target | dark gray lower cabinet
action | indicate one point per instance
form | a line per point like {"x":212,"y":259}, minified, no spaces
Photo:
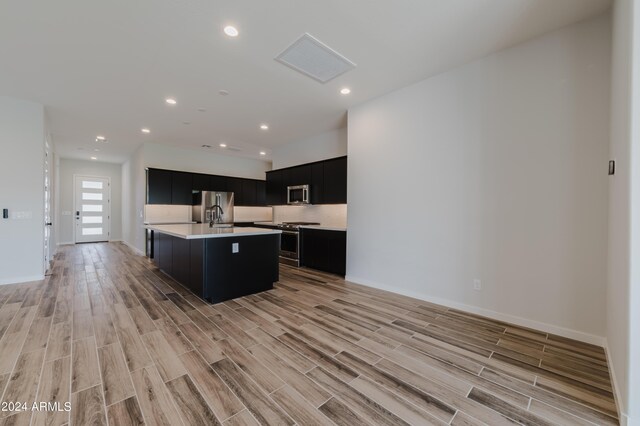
{"x":209,"y":268}
{"x":324,"y":250}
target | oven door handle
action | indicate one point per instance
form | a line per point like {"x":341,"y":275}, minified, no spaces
{"x":290,"y":232}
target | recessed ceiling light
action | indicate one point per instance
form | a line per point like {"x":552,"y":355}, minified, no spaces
{"x":223,"y":92}
{"x":202,"y":110}
{"x":223,"y":145}
{"x":94,"y":158}
{"x":264,"y":126}
{"x":345,"y":90}
{"x":263,"y":153}
{"x":96,"y":150}
{"x":145,"y":130}
{"x":231,"y":31}
{"x":170,"y":101}
{"x":100,"y":139}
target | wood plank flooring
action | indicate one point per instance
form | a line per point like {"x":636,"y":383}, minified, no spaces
{"x":127,"y":345}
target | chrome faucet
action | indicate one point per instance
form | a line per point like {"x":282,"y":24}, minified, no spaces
{"x":216,"y":214}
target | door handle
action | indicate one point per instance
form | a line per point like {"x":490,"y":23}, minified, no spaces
{"x":48,"y":223}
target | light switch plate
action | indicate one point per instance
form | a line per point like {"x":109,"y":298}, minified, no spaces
{"x":235,"y":247}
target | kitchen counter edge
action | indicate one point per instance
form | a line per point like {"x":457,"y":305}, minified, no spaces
{"x":200,"y":231}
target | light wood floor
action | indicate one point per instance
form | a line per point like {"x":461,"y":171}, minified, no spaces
{"x":126,"y":345}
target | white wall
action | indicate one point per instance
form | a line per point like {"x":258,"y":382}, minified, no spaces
{"x":497,"y":171}
{"x":69,"y":168}
{"x":133,"y":199}
{"x":633,"y":411}
{"x":326,"y":145}
{"x":21,"y":190}
{"x":200,"y":161}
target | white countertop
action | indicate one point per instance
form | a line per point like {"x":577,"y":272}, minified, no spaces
{"x":170,"y":223}
{"x":202,"y":230}
{"x":325,"y":228}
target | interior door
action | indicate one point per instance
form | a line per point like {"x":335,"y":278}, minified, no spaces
{"x":92,"y":208}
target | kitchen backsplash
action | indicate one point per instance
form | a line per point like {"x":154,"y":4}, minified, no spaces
{"x":252,"y":214}
{"x":328,"y":214}
{"x":158,"y":213}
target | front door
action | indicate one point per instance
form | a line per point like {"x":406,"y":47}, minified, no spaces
{"x":92,"y":208}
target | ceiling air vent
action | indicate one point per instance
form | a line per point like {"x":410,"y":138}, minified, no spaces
{"x":310,"y":56}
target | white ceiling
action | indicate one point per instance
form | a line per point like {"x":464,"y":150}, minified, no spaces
{"x":105,"y":67}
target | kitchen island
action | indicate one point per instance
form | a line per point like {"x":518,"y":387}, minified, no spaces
{"x":219,"y":263}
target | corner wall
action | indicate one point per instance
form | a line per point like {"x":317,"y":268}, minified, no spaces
{"x":493,"y":171}
{"x":326,"y":145}
{"x":623,"y":289}
{"x":21,"y":190}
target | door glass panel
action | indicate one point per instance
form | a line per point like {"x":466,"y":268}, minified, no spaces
{"x":91,"y":231}
{"x":91,"y":184}
{"x":92,"y":219}
{"x":91,"y":208}
{"x":92,"y":196}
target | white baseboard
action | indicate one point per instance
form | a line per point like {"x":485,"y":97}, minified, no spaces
{"x":18,"y":280}
{"x":624,"y":419}
{"x":66,"y":243}
{"x":524,"y":322}
{"x":132,"y":247}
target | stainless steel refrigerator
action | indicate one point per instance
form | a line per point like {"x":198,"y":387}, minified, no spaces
{"x":208,"y":204}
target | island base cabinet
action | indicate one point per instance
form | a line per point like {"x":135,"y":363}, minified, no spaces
{"x":252,"y":269}
{"x":216,"y":270}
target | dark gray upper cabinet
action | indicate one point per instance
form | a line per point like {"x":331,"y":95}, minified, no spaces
{"x":201,"y":182}
{"x":174,"y":187}
{"x":218,"y":183}
{"x":235,"y":185}
{"x":181,"y":188}
{"x":300,"y":175}
{"x":249,"y":189}
{"x":159,"y":186}
{"x":274,"y":188}
{"x":328,"y":180}
{"x":261,"y":193}
{"x":335,"y":181}
{"x":317,"y":183}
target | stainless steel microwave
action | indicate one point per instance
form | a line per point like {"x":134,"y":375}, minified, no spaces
{"x":299,"y":194}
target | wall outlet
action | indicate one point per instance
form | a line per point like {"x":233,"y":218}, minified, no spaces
{"x":235,"y":247}
{"x":477,"y":284}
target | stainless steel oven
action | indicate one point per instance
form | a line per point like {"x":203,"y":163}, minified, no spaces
{"x":290,"y":247}
{"x":290,"y":242}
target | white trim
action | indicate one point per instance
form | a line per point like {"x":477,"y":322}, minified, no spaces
{"x":18,"y":280}
{"x":66,"y":243}
{"x":623,"y":417}
{"x":524,"y":322}
{"x":135,"y":249}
